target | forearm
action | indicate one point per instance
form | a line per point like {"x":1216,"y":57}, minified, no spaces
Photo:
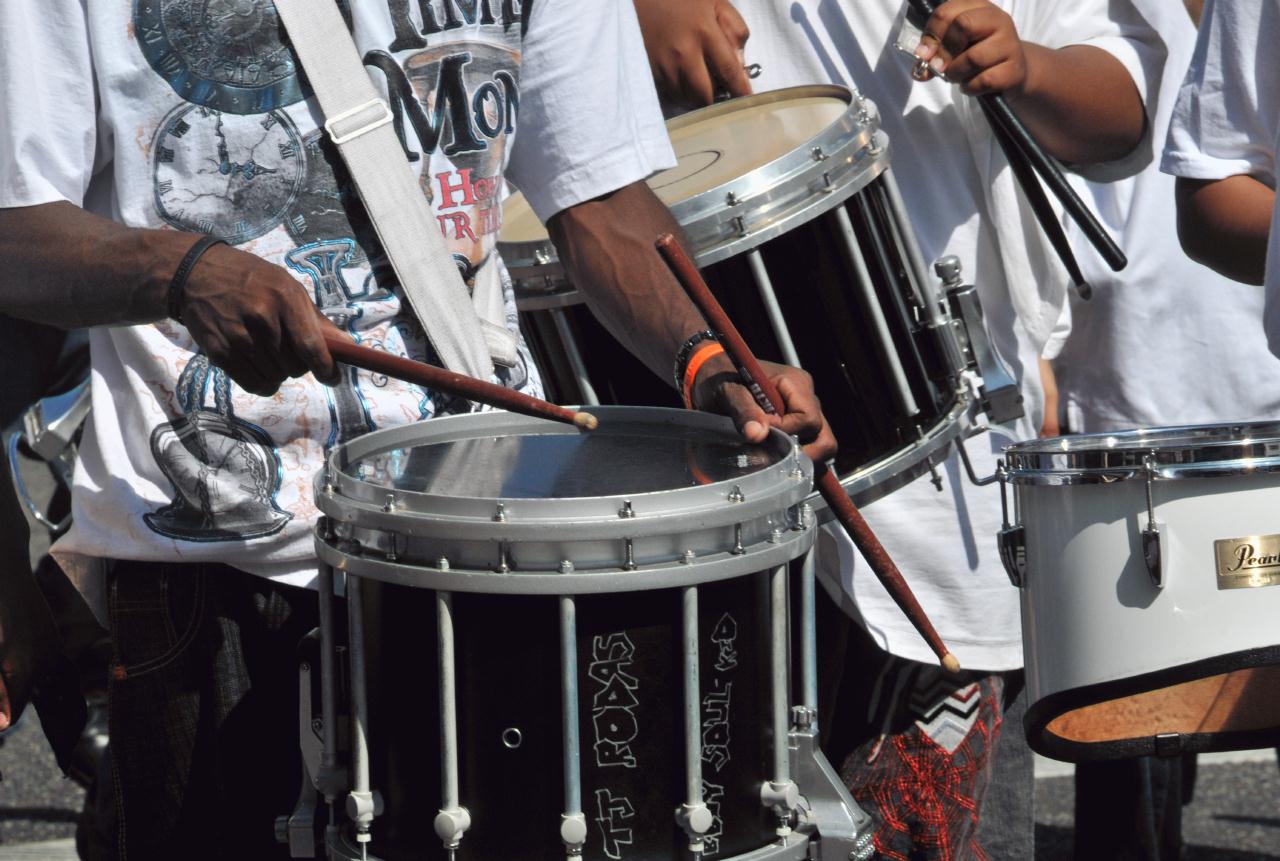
{"x":607,"y":247}
{"x":69,"y":268}
{"x":1226,"y":224}
{"x":1080,"y":104}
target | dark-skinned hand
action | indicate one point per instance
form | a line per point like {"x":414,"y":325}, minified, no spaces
{"x":255,"y":321}
{"x":719,"y":389}
{"x":974,"y":44}
{"x":695,"y":48}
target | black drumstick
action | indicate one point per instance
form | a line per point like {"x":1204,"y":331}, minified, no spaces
{"x":1001,"y":116}
{"x":1039,"y":201}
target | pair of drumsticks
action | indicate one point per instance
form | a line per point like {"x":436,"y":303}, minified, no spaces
{"x":687,"y":274}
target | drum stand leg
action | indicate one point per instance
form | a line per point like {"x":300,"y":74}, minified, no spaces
{"x":693,"y":816}
{"x":573,"y":824}
{"x":453,"y":819}
{"x":574,"y":355}
{"x":363,"y":804}
{"x":828,"y":813}
{"x":780,"y":794}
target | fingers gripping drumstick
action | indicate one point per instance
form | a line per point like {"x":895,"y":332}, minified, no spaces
{"x":440,"y":379}
{"x":841,"y":505}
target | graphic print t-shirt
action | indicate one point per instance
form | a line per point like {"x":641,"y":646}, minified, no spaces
{"x":192,"y":115}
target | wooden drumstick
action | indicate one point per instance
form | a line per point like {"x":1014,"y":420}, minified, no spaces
{"x":344,"y":350}
{"x":841,"y":505}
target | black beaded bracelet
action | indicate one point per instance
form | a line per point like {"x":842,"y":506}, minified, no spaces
{"x":173,"y":301}
{"x":686,"y":350}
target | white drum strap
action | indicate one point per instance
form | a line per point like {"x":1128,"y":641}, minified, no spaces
{"x":469,"y":334}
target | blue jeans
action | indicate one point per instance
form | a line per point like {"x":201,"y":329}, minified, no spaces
{"x":203,"y":714}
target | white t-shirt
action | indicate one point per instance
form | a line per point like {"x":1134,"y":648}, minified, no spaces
{"x":192,"y":116}
{"x":943,"y":542}
{"x":1227,"y":118}
{"x":1166,"y":341}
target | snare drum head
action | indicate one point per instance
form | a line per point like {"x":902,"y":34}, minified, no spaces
{"x":623,"y":459}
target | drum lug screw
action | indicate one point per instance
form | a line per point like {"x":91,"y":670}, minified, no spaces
{"x":504,"y":565}
{"x":392,"y":555}
{"x":739,"y":225}
{"x":442,"y":564}
{"x":826,"y":183}
{"x":566,"y":567}
{"x":731,"y":199}
{"x":738,"y":549}
{"x":626,"y":512}
{"x":630,"y":563}
{"x":775,"y":537}
{"x":687,"y":557}
{"x":390,"y":504}
{"x":541,"y":257}
{"x":736,"y":495}
{"x":818,"y":154}
{"x":500,"y":513}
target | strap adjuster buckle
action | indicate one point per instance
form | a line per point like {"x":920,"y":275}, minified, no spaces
{"x":381,"y":116}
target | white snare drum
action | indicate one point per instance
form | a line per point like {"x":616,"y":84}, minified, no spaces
{"x":567,"y":645}
{"x":792,"y":213}
{"x":1149,"y":563}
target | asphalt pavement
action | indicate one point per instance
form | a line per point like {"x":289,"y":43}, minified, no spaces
{"x":1235,"y":815}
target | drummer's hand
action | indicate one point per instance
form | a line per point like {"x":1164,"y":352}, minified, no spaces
{"x":255,"y":321}
{"x":975,"y":44}
{"x":695,"y":48}
{"x":719,"y":389}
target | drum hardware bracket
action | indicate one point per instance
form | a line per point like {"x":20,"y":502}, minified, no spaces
{"x":998,"y":395}
{"x":1152,"y":551}
{"x":783,"y":797}
{"x":736,"y":495}
{"x":827,"y":810}
{"x":450,"y":825}
{"x":934,"y":477}
{"x":968,"y":464}
{"x":1011,"y":540}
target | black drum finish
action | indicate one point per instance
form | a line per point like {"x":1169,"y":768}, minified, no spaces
{"x":630,"y":679}
{"x":813,"y":276}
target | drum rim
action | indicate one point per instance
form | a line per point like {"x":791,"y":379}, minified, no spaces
{"x":348,"y":499}
{"x":853,"y":150}
{"x":1044,"y":710}
{"x":1175,"y":452}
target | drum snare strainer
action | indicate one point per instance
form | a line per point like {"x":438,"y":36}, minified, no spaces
{"x":1146,"y":561}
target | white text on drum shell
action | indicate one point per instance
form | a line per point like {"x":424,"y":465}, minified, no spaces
{"x":610,"y":814}
{"x":613,"y":701}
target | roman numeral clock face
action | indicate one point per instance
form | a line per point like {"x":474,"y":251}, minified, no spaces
{"x":227,"y":175}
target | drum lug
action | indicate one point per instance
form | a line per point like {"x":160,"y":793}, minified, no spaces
{"x":1010,"y":540}
{"x":1152,"y":550}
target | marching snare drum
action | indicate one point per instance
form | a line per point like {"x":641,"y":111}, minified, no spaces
{"x":1146,"y":560}
{"x":790,"y":209}
{"x":565,"y":644}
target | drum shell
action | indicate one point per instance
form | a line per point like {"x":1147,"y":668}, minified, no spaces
{"x":1095,"y":624}
{"x":508,"y":678}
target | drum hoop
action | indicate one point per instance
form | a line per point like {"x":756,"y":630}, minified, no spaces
{"x":1103,"y":458}
{"x":902,"y":466}
{"x":772,"y":199}
{"x":1043,"y":711}
{"x":709,"y":568}
{"x":348,"y":499}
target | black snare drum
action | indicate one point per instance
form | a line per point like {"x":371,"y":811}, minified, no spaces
{"x":788,"y":203}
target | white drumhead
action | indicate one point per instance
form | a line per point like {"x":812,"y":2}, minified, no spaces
{"x":712,"y":146}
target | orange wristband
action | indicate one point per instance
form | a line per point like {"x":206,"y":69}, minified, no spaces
{"x":707,"y":351}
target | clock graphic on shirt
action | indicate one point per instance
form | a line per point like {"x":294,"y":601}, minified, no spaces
{"x":230,"y":176}
{"x":224,"y":54}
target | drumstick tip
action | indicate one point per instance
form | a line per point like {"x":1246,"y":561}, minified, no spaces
{"x":586,"y":421}
{"x":950,"y":663}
